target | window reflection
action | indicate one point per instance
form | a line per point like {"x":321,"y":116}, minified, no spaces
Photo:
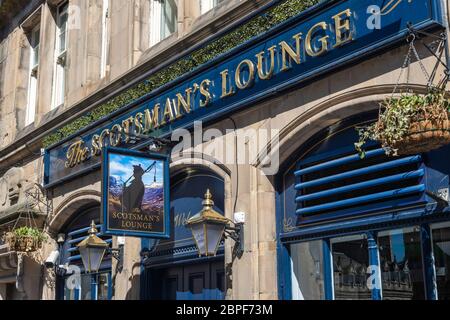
{"x":441,"y":250}
{"x":307,"y":271}
{"x":83,"y":291}
{"x":401,"y":264}
{"x":86,"y":287}
{"x":103,"y":286}
{"x":350,"y":262}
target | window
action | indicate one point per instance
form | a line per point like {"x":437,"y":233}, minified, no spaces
{"x":60,"y":56}
{"x":307,"y":271}
{"x":350,"y":262}
{"x":105,"y":38}
{"x":32,"y":82}
{"x":163,"y":19}
{"x":206,"y":5}
{"x":401,"y":264}
{"x":441,"y":251}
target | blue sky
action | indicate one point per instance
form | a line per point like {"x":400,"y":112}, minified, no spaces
{"x":122,"y":166}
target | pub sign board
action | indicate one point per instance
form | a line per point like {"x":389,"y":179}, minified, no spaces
{"x":135,"y":193}
{"x":337,"y":33}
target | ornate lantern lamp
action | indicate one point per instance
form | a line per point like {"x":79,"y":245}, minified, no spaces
{"x":209,"y":227}
{"x":92,"y":249}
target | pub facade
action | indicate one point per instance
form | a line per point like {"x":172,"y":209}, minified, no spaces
{"x":257,"y":105}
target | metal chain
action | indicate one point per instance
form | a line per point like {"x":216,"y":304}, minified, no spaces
{"x":406,"y":63}
{"x":424,"y":71}
{"x":29,"y":218}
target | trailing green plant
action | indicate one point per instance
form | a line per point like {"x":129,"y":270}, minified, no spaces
{"x":29,"y":232}
{"x":398,"y":114}
{"x":256,"y":26}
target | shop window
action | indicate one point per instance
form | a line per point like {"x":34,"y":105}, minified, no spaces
{"x":441,"y":251}
{"x":104,"y":286}
{"x":307,"y":271}
{"x":401,"y":264}
{"x":34,"y":44}
{"x":85,"y":287}
{"x":163,"y":19}
{"x":60,"y":55}
{"x":350,"y":261}
{"x":207,"y":5}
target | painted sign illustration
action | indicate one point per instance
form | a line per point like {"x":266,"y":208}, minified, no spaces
{"x":135,"y":198}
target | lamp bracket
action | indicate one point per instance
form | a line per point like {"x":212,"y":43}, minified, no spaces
{"x":117,"y":253}
{"x":157,"y":142}
{"x":60,"y":271}
{"x":237,"y":234}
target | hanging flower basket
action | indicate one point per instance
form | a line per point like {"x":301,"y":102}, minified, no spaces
{"x":410,"y":124}
{"x":25,"y":239}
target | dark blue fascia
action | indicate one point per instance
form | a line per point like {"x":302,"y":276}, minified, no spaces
{"x":270,"y":91}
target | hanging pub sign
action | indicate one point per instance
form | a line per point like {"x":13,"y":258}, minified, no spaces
{"x":135,"y":193}
{"x":335,"y":34}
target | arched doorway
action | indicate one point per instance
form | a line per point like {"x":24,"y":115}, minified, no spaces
{"x":76,"y":284}
{"x":352,"y":228}
{"x":173,"y":270}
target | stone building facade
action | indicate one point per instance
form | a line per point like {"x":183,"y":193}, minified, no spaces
{"x":89,"y":54}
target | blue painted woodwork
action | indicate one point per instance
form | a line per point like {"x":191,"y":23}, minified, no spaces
{"x":354,"y":201}
{"x":356,"y":186}
{"x":429,"y":270}
{"x":333,"y":149}
{"x":187,"y":193}
{"x":354,"y":173}
{"x":374,"y":260}
{"x":336,"y":162}
{"x":328,"y":270}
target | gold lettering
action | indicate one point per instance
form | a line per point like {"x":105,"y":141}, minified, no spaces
{"x":226,"y":83}
{"x":261,"y":65}
{"x":323,"y":40}
{"x":126,"y":124}
{"x":295,"y":55}
{"x":138,"y":127}
{"x":241,"y":84}
{"x":103,"y":135}
{"x":115,"y":136}
{"x":204,"y":91}
{"x":96,"y":145}
{"x":151,"y":119}
{"x":168,"y":112}
{"x":76,"y":154}
{"x":185,"y":103}
{"x":342,"y":28}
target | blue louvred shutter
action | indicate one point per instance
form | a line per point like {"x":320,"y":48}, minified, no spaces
{"x":346,"y":185}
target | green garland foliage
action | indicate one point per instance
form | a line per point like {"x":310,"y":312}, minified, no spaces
{"x":256,"y":26}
